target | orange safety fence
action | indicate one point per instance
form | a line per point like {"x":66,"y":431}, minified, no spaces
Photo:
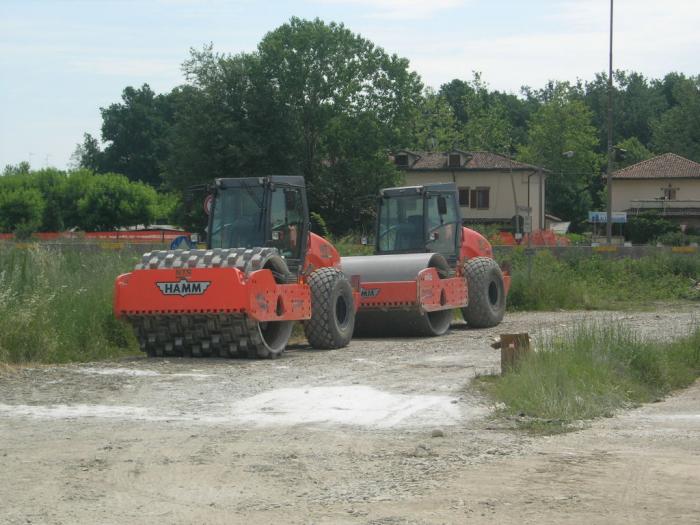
{"x":536,"y":238}
{"x":137,"y":236}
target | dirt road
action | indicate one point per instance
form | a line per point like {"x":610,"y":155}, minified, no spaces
{"x":382,"y":432}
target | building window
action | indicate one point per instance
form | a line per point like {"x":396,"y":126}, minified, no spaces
{"x":480,"y":198}
{"x":670,"y":193}
{"x":401,"y":160}
{"x":464,"y":197}
{"x":455,"y":160}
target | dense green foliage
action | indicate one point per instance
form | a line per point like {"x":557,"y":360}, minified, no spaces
{"x":318,"y":100}
{"x":591,"y":372}
{"x":596,"y":282}
{"x":53,"y":200}
{"x":646,"y":228}
{"x":56,"y":306}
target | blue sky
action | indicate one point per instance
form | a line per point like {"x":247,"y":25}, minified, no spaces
{"x":61,"y":60}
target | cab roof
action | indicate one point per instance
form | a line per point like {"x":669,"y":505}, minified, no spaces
{"x":234,"y":182}
{"x":421,"y":189}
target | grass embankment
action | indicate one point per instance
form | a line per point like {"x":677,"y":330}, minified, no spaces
{"x":590,"y":372}
{"x":56,"y":305}
{"x":594,"y":282}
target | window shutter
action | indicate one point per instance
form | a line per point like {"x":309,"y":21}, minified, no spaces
{"x":485,"y":204}
{"x":464,"y":197}
{"x":472,"y":200}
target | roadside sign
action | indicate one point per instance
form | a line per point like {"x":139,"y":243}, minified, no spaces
{"x":208,"y":201}
{"x":598,"y":217}
{"x":527,"y":225}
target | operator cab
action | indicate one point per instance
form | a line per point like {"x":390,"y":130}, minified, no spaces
{"x":419,"y":219}
{"x":261,"y":212}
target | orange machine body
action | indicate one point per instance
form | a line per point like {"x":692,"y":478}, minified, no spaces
{"x":428,"y":292}
{"x":217,"y":290}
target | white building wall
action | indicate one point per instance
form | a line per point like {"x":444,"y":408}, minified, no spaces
{"x":501,"y":202}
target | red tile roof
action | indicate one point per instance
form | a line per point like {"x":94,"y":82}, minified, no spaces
{"x":476,"y":160}
{"x":666,"y":166}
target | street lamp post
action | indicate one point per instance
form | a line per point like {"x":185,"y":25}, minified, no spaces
{"x":610,"y":131}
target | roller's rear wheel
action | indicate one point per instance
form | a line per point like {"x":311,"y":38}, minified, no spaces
{"x":223,"y":335}
{"x":487,"y":297}
{"x":332,"y":310}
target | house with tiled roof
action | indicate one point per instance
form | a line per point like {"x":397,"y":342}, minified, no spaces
{"x":668,"y":185}
{"x":492,"y":188}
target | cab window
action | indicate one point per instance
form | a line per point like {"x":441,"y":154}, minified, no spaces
{"x":442,"y":224}
{"x":286,"y":220}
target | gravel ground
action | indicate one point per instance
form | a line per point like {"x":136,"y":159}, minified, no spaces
{"x":381,"y":432}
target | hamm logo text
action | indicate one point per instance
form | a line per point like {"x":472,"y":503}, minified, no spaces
{"x":184,"y":287}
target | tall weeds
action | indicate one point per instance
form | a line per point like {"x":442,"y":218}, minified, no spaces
{"x":594,"y":282}
{"x":56,"y":305}
{"x":593,"y":370}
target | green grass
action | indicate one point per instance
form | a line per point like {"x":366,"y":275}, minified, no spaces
{"x":592,"y":371}
{"x":593,"y":282}
{"x":56,"y":305}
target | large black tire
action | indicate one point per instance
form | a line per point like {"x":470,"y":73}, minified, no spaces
{"x":487,"y":294}
{"x":332,"y":310}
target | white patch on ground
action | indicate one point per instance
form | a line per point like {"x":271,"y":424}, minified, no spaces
{"x":670,"y":417}
{"x":78,"y":411}
{"x":343,"y":405}
{"x":117,"y":372}
{"x":129,"y":372}
{"x":346,"y":405}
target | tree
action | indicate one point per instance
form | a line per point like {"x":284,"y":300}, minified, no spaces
{"x":489,"y":130}
{"x":561,"y":125}
{"x":678,"y":129}
{"x":636,"y":103}
{"x":324,"y":71}
{"x":23,"y":168}
{"x":135,"y":130}
{"x":21,"y":210}
{"x":278,"y":110}
{"x":88,"y":155}
{"x":489,"y":120}
{"x":354,"y":172}
{"x":111,"y":201}
{"x":435,"y":127}
{"x":634,"y":151}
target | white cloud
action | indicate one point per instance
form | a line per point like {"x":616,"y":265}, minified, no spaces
{"x":127,"y":67}
{"x":399,"y":9}
{"x":569,"y":42}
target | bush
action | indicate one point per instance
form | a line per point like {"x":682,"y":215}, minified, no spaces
{"x":643,"y":229}
{"x":677,"y":238}
{"x":112,"y":201}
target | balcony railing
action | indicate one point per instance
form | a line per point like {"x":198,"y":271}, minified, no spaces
{"x":666,"y":206}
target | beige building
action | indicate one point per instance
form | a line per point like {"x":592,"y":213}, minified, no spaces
{"x":668,"y":185}
{"x":492,"y":187}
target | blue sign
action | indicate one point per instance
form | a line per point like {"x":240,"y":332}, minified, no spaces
{"x":180,"y":240}
{"x":601,"y":217}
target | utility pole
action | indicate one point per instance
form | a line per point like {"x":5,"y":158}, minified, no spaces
{"x":610,"y":130}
